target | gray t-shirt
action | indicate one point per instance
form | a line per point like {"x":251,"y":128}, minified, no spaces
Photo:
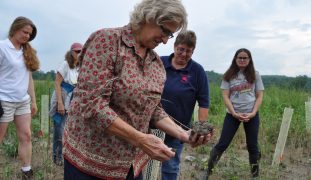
{"x":242,"y":93}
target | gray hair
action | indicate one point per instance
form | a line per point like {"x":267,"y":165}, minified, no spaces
{"x":159,"y":11}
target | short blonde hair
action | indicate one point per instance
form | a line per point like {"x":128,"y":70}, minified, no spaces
{"x":159,"y":11}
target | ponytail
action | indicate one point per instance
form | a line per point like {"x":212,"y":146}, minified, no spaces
{"x":30,"y":56}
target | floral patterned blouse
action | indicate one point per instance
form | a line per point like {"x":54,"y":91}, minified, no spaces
{"x":114,"y":81}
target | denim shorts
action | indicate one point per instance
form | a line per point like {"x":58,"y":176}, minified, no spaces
{"x":12,"y":109}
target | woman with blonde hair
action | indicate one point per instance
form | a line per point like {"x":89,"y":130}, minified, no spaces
{"x":17,"y":60}
{"x":65,"y":82}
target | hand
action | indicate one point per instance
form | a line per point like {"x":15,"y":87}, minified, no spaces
{"x":245,"y":117}
{"x":242,"y":117}
{"x":61,"y":108}
{"x":155,"y":147}
{"x":34,"y":109}
{"x":196,"y":139}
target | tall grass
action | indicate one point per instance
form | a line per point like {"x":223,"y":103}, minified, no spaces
{"x":230,"y":166}
{"x":9,"y":146}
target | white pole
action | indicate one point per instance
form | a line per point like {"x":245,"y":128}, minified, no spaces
{"x":279,"y":149}
{"x":196,"y":113}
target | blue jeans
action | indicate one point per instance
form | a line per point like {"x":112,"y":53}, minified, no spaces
{"x":231,"y":126}
{"x":170,"y":168}
{"x":59,"y":123}
{"x":73,"y":173}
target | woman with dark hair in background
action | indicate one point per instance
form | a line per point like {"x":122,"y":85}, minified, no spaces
{"x":242,"y":91}
{"x":17,"y":60}
{"x":65,"y":81}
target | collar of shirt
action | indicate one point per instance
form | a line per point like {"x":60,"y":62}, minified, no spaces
{"x":11,"y":46}
{"x":129,"y":40}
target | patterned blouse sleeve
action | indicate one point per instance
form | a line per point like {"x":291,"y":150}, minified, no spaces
{"x":96,"y":77}
{"x":158,"y":115}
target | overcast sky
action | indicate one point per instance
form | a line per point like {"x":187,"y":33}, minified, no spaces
{"x":277,"y":32}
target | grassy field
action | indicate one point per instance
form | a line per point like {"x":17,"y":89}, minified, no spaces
{"x":296,"y":163}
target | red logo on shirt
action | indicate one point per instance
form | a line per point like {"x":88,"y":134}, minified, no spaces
{"x":184,"y":78}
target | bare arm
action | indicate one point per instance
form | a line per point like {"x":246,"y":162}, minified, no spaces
{"x":60,"y":104}
{"x":258,"y":102}
{"x":203,"y":114}
{"x":228,"y":104}
{"x":31,"y":92}
{"x":259,"y":96}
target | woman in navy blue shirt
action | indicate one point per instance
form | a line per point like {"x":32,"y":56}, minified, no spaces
{"x":185,"y":85}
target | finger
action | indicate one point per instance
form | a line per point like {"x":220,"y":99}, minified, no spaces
{"x":207,"y":138}
{"x":193,"y":137}
{"x":198,"y":142}
{"x":169,"y":153}
{"x":163,"y":155}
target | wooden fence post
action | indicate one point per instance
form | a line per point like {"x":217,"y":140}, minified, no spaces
{"x":279,"y":149}
{"x":308,"y":116}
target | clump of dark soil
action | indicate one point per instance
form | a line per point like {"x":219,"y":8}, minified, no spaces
{"x":201,"y":128}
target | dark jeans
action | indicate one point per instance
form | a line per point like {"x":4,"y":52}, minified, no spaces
{"x":58,"y":137}
{"x":72,"y":173}
{"x":231,"y":126}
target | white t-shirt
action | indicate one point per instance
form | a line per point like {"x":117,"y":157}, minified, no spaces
{"x":70,"y":76}
{"x":14,"y":76}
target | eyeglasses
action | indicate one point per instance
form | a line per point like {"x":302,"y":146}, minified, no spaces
{"x":243,"y":58}
{"x":166,"y":32}
{"x":77,"y":51}
{"x":181,"y":50}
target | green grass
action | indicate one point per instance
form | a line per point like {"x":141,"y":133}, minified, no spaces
{"x":9,"y":147}
{"x":230,"y":166}
{"x":271,"y":113}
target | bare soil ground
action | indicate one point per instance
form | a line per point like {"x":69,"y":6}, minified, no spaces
{"x":233,"y":164}
{"x":296,"y":165}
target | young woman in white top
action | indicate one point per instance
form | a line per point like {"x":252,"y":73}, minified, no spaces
{"x":17,"y":60}
{"x":65,"y":81}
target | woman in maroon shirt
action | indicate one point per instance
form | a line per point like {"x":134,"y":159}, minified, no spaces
{"x":117,"y":98}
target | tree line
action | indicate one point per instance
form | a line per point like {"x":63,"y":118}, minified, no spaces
{"x":301,"y":82}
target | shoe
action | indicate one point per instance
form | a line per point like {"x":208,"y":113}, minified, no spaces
{"x":27,"y":175}
{"x":58,"y":162}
